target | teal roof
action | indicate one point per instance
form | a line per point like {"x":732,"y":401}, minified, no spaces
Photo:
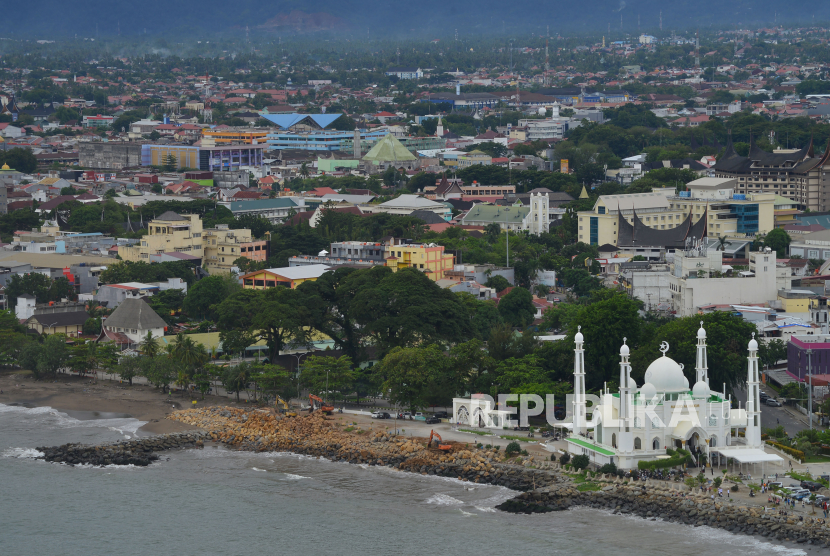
{"x":495,"y":213}
{"x":590,"y":446}
{"x":285,"y":121}
{"x":389,"y":149}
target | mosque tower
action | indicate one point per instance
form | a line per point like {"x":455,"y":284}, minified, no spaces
{"x":753,"y":400}
{"x":579,"y":411}
{"x":702,"y":364}
{"x":626,"y":438}
{"x":440,"y":129}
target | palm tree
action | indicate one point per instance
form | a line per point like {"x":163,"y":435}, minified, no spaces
{"x":722,"y":241}
{"x":304,"y":170}
{"x":149,"y":346}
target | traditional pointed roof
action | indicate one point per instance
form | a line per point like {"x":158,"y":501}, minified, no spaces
{"x":389,"y":149}
{"x":134,"y":314}
{"x":638,"y":233}
{"x":584,"y":194}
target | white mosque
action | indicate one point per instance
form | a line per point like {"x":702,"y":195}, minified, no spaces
{"x":639,"y":423}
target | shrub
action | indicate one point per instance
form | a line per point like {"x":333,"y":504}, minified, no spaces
{"x":553,"y":457}
{"x":609,"y":468}
{"x":564,"y":458}
{"x":580,"y":462}
{"x":717,"y":481}
{"x":787,"y":450}
{"x":734,"y":488}
{"x":524,"y":452}
{"x":488,"y":446}
{"x":479,"y":445}
{"x":678,"y":458}
{"x":513,"y":448}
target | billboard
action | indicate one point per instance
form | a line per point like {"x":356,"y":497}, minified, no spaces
{"x":563,"y":167}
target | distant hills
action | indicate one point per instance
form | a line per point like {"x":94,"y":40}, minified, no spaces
{"x":62,"y":18}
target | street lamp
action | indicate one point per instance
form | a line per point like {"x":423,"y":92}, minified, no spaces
{"x":810,"y":385}
{"x":49,"y":326}
{"x":299,"y":394}
{"x":327,"y":386}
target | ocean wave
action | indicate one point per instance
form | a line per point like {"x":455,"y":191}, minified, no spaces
{"x":258,"y":469}
{"x":444,"y":500}
{"x":485,"y":509}
{"x":465,"y":513}
{"x":294,"y":477}
{"x":22,"y":453}
{"x":55,"y":418}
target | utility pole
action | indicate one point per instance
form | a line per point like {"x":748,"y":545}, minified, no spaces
{"x":547,"y":56}
{"x":661,"y":20}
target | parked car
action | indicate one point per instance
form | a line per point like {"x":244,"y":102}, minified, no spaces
{"x":775,"y":485}
{"x":432,"y":420}
{"x":820,"y":499}
{"x":773,"y":403}
{"x":441,"y":415}
{"x":803,"y":493}
{"x":810,"y":485}
{"x":792,"y":489}
{"x":763,"y":395}
{"x":385,"y":416}
{"x":377,"y":415}
{"x":521,"y":428}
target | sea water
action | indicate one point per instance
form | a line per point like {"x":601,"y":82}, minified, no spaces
{"x":218,"y":501}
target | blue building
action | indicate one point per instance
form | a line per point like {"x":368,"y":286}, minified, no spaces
{"x":321,"y":140}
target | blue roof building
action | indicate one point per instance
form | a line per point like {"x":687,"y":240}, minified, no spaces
{"x":302,"y":122}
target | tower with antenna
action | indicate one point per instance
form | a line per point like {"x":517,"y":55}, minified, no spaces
{"x":697,"y":49}
{"x":547,"y":56}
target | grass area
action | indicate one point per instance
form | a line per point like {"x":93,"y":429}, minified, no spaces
{"x":754,"y":487}
{"x":520,"y":438}
{"x":349,"y":429}
{"x":588,"y":486}
{"x":816,"y":459}
{"x":480,"y":433}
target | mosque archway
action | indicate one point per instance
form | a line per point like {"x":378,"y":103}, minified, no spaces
{"x":462,"y":416}
{"x":614,"y":440}
{"x":655,"y":444}
{"x":713,"y":441}
{"x":638,"y":444}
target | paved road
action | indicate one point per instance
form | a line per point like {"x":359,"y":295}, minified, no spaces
{"x":771,"y":417}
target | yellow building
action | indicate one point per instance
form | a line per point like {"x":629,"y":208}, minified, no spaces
{"x":185,"y":155}
{"x":474,"y":157}
{"x":427,"y":258}
{"x":228,"y":136}
{"x":289,"y":277}
{"x":167,"y":233}
{"x":729,"y":214}
{"x":222,"y":247}
{"x":795,"y":301}
{"x":785,"y":211}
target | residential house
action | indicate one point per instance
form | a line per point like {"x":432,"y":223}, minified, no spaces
{"x":130,"y":324}
{"x":58,"y":318}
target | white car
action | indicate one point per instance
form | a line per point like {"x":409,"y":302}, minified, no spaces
{"x":377,"y":415}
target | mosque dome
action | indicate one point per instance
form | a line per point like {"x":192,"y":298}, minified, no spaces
{"x":667,"y":375}
{"x":579,"y":337}
{"x":5,"y":167}
{"x":624,"y":350}
{"x":700,"y":390}
{"x":753,"y":345}
{"x":701,"y":333}
{"x":648,"y":391}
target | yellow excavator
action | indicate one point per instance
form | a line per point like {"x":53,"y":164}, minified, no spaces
{"x":282,"y":407}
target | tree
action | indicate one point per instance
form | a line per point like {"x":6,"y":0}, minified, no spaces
{"x":157,"y":189}
{"x":42,"y":287}
{"x":129,"y":368}
{"x":148,"y":346}
{"x":516,"y":308}
{"x":779,"y":241}
{"x":771,"y":352}
{"x":324,"y":375}
{"x":53,"y":355}
{"x":205,"y":294}
{"x":159,"y":371}
{"x":20,"y":159}
{"x":236,"y":378}
{"x":407,"y":374}
{"x":170,"y":163}
{"x":497,"y":282}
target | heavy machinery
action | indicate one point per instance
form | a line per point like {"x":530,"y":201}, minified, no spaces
{"x":433,"y":434}
{"x":282,"y":407}
{"x":316,"y":402}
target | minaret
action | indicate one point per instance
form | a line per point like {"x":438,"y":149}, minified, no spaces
{"x":579,"y":413}
{"x":702,"y":365}
{"x":753,"y":400}
{"x":440,"y":130}
{"x":626,"y":438}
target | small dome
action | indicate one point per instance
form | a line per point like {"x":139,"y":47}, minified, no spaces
{"x":648,"y":391}
{"x":753,"y":345}
{"x":624,"y":349}
{"x":579,"y":338}
{"x":5,"y":167}
{"x":667,"y":375}
{"x":701,"y":333}
{"x":700,"y":390}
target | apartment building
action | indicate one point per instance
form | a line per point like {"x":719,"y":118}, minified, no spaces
{"x":222,"y":246}
{"x":170,"y":232}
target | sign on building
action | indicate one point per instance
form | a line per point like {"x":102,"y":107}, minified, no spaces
{"x":563,"y":167}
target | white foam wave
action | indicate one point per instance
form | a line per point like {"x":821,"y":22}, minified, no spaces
{"x":444,"y":500}
{"x":294,"y":477}
{"x":22,"y":453}
{"x":465,"y":513}
{"x":258,"y":469}
{"x":54,"y":418}
{"x":484,"y":509}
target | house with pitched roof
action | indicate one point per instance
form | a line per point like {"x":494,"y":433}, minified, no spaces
{"x":130,"y":323}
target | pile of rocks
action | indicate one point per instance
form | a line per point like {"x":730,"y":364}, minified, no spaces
{"x":140,"y":451}
{"x":673,"y":505}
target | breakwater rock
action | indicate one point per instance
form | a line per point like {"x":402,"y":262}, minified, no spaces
{"x":315,"y":435}
{"x":140,"y":451}
{"x":659,"y":502}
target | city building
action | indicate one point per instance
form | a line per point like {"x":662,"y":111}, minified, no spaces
{"x":55,"y":317}
{"x":406,"y":204}
{"x":168,"y":232}
{"x":405,"y":73}
{"x":815,"y":245}
{"x":302,"y":123}
{"x":113,"y":155}
{"x":429,"y":258}
{"x":221,"y":158}
{"x":390,"y":153}
{"x":4,"y":199}
{"x":533,"y":217}
{"x":800,"y":364}
{"x":97,"y":121}
{"x":322,"y":140}
{"x":797,"y":174}
{"x":709,"y":207}
{"x":130,"y":324}
{"x":274,"y":210}
{"x":222,"y":246}
{"x":234,"y":136}
{"x":289,"y":277}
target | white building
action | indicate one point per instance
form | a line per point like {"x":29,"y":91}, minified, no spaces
{"x":641,"y":423}
{"x":130,"y":323}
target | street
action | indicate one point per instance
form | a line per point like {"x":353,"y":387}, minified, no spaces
{"x":771,"y":417}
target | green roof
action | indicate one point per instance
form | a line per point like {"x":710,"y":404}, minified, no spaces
{"x":388,"y":149}
{"x":591,"y":446}
{"x":494,"y":213}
